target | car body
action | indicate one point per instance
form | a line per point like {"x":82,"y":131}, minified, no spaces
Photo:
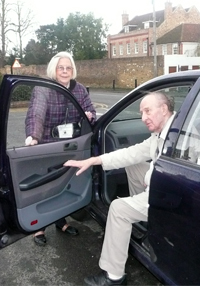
{"x":36,"y":190}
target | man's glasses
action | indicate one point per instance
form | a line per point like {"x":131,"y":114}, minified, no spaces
{"x":61,"y":68}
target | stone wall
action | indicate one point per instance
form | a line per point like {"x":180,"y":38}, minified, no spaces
{"x":124,"y":73}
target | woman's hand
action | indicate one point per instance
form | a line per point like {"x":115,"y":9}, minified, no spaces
{"x":89,"y":115}
{"x":30,"y":141}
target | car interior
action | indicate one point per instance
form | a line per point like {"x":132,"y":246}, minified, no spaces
{"x":124,"y":130}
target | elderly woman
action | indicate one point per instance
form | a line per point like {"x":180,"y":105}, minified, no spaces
{"x":49,"y":108}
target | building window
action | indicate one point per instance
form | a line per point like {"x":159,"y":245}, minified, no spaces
{"x":136,"y":48}
{"x":145,"y":46}
{"x":126,"y":29}
{"x":195,"y":67}
{"x":146,"y":25}
{"x":114,"y":51}
{"x":128,"y":48}
{"x":175,"y":49}
{"x":183,"y":68}
{"x":164,"y":50}
{"x":121,"y":50}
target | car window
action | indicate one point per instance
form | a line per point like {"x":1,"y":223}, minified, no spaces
{"x":188,"y":145}
{"x":133,"y":110}
{"x":19,"y":126}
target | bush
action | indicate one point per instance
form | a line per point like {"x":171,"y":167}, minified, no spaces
{"x":22,"y":93}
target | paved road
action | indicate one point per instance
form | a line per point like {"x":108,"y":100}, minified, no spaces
{"x":104,"y":99}
{"x":64,"y":260}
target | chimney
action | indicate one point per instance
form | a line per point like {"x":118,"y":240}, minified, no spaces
{"x":125,"y":19}
{"x":168,"y":9}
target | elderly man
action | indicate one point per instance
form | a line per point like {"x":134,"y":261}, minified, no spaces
{"x":157,"y":112}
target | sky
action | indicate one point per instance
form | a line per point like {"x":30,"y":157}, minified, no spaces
{"x":47,"y":11}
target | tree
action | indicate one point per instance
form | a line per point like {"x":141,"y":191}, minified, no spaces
{"x":5,"y":23}
{"x":35,"y":53}
{"x":51,"y":39}
{"x":54,"y":37}
{"x":19,"y":25}
{"x":87,"y":36}
{"x":61,"y":37}
{"x":23,"y":23}
{"x":47,"y":37}
{"x":82,"y":35}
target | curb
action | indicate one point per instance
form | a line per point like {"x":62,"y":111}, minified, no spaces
{"x":19,"y":104}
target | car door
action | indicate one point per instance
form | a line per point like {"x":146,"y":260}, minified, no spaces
{"x":174,"y":217}
{"x":36,"y":189}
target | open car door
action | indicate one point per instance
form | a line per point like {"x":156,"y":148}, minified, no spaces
{"x":36,"y":189}
{"x":174,"y":198}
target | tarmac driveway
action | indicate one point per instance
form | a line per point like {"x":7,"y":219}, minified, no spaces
{"x":65,"y":260}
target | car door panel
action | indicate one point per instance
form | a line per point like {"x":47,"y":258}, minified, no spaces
{"x":57,"y":192}
{"x":37,"y":180}
{"x":43,"y":189}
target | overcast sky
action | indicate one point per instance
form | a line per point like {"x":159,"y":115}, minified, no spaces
{"x":47,"y":11}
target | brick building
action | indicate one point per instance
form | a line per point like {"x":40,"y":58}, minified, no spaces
{"x":182,"y":40}
{"x":136,"y":37}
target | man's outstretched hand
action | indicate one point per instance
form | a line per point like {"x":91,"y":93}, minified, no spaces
{"x":83,"y":164}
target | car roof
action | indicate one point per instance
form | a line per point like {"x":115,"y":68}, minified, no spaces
{"x":180,"y":74}
{"x":189,"y":74}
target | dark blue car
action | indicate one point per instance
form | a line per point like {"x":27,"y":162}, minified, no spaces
{"x":36,"y":190}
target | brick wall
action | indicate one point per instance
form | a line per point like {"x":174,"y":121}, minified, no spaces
{"x":102,"y":73}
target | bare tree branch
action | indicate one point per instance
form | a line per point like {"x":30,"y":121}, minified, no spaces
{"x":5,"y":9}
{"x":23,"y":23}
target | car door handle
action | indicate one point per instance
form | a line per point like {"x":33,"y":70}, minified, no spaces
{"x":36,"y":180}
{"x":71,"y":146}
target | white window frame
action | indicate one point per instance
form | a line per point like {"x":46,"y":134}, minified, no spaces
{"x":144,"y":45}
{"x":146,"y":25}
{"x":121,"y":50}
{"x":114,"y":51}
{"x":136,"y":47}
{"x":175,"y":49}
{"x":128,"y":48}
{"x":126,"y":29}
{"x":164,"y":49}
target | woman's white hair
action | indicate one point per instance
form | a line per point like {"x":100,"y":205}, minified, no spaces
{"x":51,"y":68}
